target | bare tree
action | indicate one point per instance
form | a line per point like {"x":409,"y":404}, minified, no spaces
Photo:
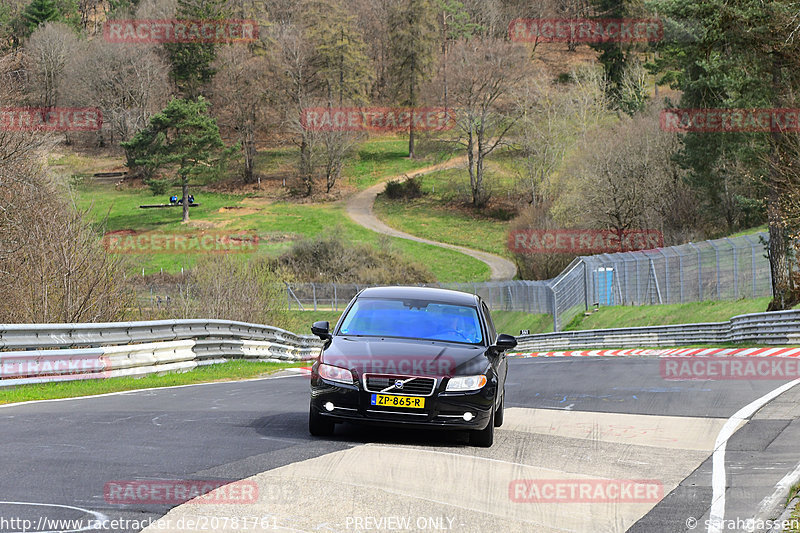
{"x":624,"y":180}
{"x":128,"y":82}
{"x":553,"y":117}
{"x":56,"y":269}
{"x":242,"y":90}
{"x":297,"y":81}
{"x":48,"y":50}
{"x":335,"y":146}
{"x":484,"y":74}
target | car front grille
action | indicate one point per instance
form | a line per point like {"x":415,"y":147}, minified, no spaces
{"x":415,"y":386}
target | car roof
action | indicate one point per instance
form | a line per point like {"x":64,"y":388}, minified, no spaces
{"x":421,"y":293}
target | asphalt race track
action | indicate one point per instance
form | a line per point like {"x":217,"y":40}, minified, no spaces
{"x":593,"y":421}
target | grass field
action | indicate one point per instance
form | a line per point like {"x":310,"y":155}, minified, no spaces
{"x":431,"y":216}
{"x":383,"y":157}
{"x":656,"y":315}
{"x":375,"y":159}
{"x":278,"y":225}
{"x":232,"y":370}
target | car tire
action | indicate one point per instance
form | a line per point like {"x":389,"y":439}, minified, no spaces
{"x":318,"y":425}
{"x":498,"y":415}
{"x":483,"y":438}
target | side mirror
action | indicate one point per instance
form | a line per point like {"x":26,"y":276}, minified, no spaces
{"x":321,"y":330}
{"x":505,"y":342}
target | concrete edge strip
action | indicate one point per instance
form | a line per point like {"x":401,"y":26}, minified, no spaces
{"x":770,"y":506}
{"x":718,"y":475}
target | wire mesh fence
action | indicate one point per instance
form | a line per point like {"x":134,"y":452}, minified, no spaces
{"x":723,"y":269}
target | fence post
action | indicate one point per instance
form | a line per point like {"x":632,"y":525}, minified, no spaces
{"x":753,"y":266}
{"x":585,"y":284}
{"x":680,"y":271}
{"x":716,"y":254}
{"x":699,"y":272}
{"x":735,"y":269}
{"x":314,"y":295}
{"x":666,"y":273}
{"x":555,"y":309}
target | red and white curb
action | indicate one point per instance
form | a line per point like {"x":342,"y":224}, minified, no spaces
{"x":792,"y":351}
{"x":303,"y":370}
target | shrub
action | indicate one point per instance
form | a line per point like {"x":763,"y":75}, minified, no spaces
{"x":404,"y":189}
{"x":332,"y":259}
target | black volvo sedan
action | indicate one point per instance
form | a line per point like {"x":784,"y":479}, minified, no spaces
{"x":414,"y":357}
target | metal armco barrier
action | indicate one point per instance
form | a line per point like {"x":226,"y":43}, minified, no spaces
{"x":778,"y":328}
{"x":37,"y":353}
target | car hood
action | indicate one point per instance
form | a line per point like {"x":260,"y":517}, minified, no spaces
{"x":405,"y":357}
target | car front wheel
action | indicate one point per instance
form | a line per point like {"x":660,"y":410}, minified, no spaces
{"x":483,"y":438}
{"x":318,"y":425}
{"x":498,"y":415}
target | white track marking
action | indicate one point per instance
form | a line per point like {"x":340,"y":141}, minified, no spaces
{"x":97,"y":516}
{"x":120,"y":393}
{"x":718,"y":477}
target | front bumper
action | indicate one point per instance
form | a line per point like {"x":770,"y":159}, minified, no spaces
{"x":443,"y":410}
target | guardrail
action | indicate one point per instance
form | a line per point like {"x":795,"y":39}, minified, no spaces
{"x":778,"y":328}
{"x":36,"y":353}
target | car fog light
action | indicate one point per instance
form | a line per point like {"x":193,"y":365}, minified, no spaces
{"x":329,"y":407}
{"x":468,"y":416}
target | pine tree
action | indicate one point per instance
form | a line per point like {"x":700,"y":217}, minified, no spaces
{"x":183,"y":135}
{"x":340,"y":54}
{"x":743,"y":56}
{"x":192,"y":62}
{"x":39,"y":12}
{"x":413,"y":42}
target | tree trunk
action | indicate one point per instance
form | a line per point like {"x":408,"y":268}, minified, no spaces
{"x":305,"y":165}
{"x":782,"y":297}
{"x":413,"y":102}
{"x":471,"y":163}
{"x":778,"y":260}
{"x":249,"y":156}
{"x":185,"y":189}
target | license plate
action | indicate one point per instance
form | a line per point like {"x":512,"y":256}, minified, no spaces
{"x":389,"y":400}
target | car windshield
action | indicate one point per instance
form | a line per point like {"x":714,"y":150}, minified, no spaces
{"x":413,"y":319}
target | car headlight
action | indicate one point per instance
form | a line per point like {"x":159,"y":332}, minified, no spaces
{"x":466,"y":383}
{"x":334,"y":373}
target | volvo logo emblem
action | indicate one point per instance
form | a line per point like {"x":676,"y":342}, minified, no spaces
{"x":398,"y":384}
